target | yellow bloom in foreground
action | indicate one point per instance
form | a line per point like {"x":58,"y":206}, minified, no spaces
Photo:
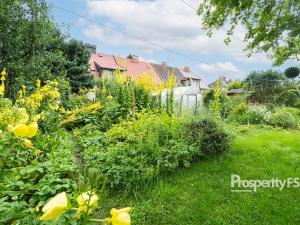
{"x":27,"y":143}
{"x":32,"y":129}
{"x":19,"y":130}
{"x":22,"y":130}
{"x":121,"y":216}
{"x":86,"y":200}
{"x":55,"y":207}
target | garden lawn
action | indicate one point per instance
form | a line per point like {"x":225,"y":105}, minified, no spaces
{"x":202,"y":195}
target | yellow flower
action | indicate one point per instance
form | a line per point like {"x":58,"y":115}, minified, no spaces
{"x":24,"y":89}
{"x":19,"y":130}
{"x":109,"y":97}
{"x":37,"y":208}
{"x":27,"y":143}
{"x":38,"y":83}
{"x":121,"y":216}
{"x":22,"y":130}
{"x":55,"y":207}
{"x":3,"y":73}
{"x":86,"y":200}
{"x":2,"y":89}
{"x":32,"y":129}
{"x":23,"y":117}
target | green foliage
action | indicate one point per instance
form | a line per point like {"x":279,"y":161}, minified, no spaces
{"x":255,"y":153}
{"x":77,"y":69}
{"x":136,"y":152}
{"x":285,"y":118}
{"x":236,"y":84}
{"x":30,"y":44}
{"x":252,"y":114}
{"x":207,"y":136}
{"x":264,"y":86}
{"x":272,"y":26}
{"x":36,"y":174}
{"x":292,"y":72}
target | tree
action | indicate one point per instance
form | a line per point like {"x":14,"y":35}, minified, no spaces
{"x":292,"y":72}
{"x":236,"y":84}
{"x":77,"y":65}
{"x":264,"y":86}
{"x":273,"y":25}
{"x":30,"y":44}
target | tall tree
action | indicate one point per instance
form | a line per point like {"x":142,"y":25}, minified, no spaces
{"x":77,"y":65}
{"x":264,"y":86}
{"x":273,"y":25}
{"x":29,"y":43}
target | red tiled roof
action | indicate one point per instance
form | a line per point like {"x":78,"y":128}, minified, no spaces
{"x":103,"y":60}
{"x":136,"y":68}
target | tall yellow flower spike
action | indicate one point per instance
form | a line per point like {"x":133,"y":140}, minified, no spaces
{"x":120,"y":217}
{"x":2,"y":85}
{"x":38,"y":83}
{"x":217,"y":90}
{"x":55,"y":207}
{"x":2,"y":89}
{"x":3,"y":73}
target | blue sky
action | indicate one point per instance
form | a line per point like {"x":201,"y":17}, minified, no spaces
{"x":168,"y":23}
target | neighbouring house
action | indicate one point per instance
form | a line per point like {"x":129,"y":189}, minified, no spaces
{"x":166,"y":71}
{"x":224,"y":83}
{"x":236,"y":91}
{"x":135,"y":68}
{"x":189,"y":88}
{"x":193,"y":80}
{"x":103,"y":65}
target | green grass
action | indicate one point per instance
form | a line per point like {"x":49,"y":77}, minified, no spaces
{"x":201,"y":194}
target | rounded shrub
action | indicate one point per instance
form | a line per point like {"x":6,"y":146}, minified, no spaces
{"x":284,"y":119}
{"x":207,"y":136}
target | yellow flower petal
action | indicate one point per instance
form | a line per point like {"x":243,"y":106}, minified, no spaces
{"x":32,"y":130}
{"x":121,"y":216}
{"x":19,"y":130}
{"x":55,"y":207}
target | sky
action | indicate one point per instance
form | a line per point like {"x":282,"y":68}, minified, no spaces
{"x":171,"y":24}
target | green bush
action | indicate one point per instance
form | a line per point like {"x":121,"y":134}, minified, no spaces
{"x":207,"y":136}
{"x":137,"y":151}
{"x":285,"y":117}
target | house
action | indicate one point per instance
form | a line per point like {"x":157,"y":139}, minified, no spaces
{"x":135,"y":68}
{"x":193,"y":80}
{"x":105,"y":66}
{"x":165,"y":71}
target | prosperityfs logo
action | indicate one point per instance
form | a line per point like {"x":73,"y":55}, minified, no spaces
{"x":239,"y":185}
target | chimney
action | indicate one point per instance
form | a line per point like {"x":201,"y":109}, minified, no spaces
{"x":91,"y":48}
{"x":186,"y":69}
{"x":164,"y":64}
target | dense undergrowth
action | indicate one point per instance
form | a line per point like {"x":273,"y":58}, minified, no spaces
{"x":47,"y":149}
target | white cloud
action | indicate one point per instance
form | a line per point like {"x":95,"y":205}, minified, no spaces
{"x":218,"y":69}
{"x":168,"y":23}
